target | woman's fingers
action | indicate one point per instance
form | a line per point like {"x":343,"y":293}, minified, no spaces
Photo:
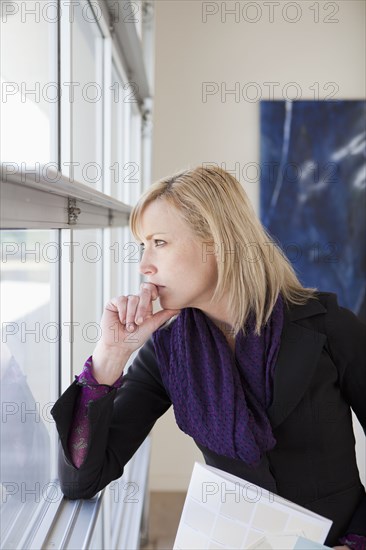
{"x":148,"y":293}
{"x":139,"y":307}
{"x":118,"y":305}
{"x":153,"y":289}
{"x":134,"y":308}
{"x":128,"y":321}
{"x":135,"y":313}
{"x":132,"y":303}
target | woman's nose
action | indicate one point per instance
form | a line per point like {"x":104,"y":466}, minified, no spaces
{"x":146,"y":267}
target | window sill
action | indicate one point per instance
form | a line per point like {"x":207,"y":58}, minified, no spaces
{"x":69,"y":524}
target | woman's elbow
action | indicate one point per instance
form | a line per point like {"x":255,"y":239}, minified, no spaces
{"x":74,"y":490}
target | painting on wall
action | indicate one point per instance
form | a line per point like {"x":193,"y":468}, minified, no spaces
{"x":313,"y":192}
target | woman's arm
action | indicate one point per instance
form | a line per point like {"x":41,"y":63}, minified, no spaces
{"x":347,"y":346}
{"x":118,"y":422}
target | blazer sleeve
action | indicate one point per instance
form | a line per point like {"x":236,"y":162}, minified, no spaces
{"x":347,"y":345}
{"x":119,"y":422}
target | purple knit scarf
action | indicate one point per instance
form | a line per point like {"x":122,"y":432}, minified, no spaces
{"x":220,"y":400}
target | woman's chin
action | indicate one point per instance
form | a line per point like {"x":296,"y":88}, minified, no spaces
{"x":167,"y":303}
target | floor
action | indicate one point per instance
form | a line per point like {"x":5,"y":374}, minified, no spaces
{"x":165,"y":512}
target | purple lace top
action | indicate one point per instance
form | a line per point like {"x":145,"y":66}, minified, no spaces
{"x":90,"y":391}
{"x":355,"y":542}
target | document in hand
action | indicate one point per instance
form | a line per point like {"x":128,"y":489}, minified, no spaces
{"x":224,"y":511}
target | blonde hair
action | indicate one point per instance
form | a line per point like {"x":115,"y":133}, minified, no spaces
{"x":215,"y":206}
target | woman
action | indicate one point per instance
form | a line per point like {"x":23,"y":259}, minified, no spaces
{"x":261,"y":371}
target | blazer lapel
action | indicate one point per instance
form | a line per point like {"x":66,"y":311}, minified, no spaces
{"x":297,"y":360}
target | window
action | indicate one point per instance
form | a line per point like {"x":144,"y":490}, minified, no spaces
{"x":87,"y":282}
{"x":29,"y":366}
{"x":87,"y":96}
{"x":119,"y":129}
{"x":71,"y":157}
{"x":133,"y":178}
{"x":29,"y":89}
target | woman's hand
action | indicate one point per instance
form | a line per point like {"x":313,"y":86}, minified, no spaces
{"x":127,"y":322}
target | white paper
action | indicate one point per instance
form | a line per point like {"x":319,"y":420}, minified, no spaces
{"x":225,"y":511}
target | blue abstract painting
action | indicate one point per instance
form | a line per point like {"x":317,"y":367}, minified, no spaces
{"x":313,"y":192}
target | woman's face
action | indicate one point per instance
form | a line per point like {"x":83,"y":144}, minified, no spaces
{"x":174,"y":259}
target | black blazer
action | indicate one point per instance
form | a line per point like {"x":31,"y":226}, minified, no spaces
{"x":320,"y":373}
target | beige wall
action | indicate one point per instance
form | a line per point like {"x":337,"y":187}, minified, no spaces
{"x":189,"y":130}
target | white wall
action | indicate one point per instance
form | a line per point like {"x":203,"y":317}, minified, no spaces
{"x":189,"y":131}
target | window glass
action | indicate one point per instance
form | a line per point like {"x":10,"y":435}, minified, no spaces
{"x":29,"y":89}
{"x":131,"y":278}
{"x":117,"y":254}
{"x":87,"y":97}
{"x":136,"y":8}
{"x":133,"y":168}
{"x":87,"y":301}
{"x":30,"y":335}
{"x":117,"y":134}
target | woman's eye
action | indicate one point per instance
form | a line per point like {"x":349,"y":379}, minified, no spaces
{"x":156,"y":241}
